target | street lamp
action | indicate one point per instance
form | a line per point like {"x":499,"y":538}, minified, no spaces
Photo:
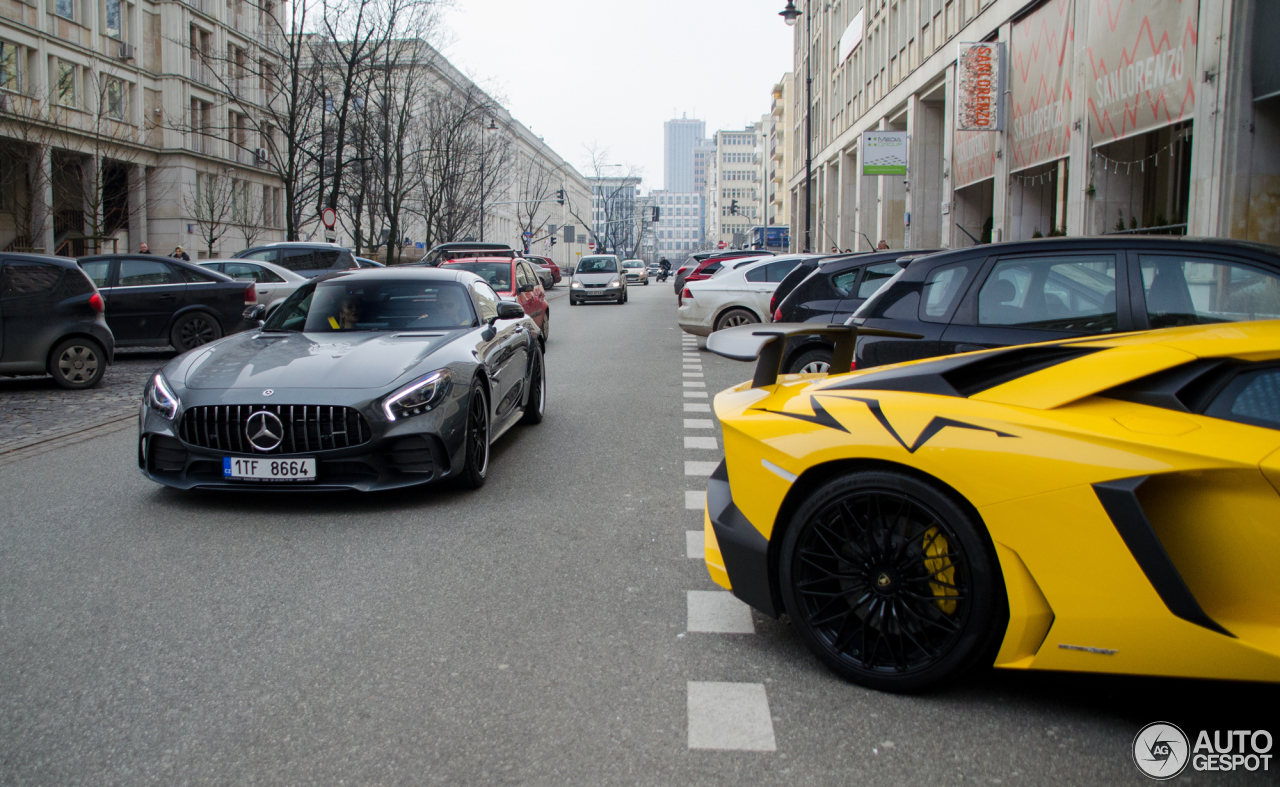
{"x":790,"y":14}
{"x":483,"y":155}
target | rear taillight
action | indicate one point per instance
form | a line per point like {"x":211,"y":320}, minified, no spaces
{"x":853,"y":367}
{"x":95,"y":303}
{"x":250,"y":295}
{"x":686,"y":293}
{"x":773,"y":302}
{"x":777,"y":315}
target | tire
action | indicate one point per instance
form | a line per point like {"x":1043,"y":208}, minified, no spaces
{"x":546,"y":326}
{"x":77,"y":363}
{"x":537,"y":406}
{"x":735,"y":317}
{"x":811,"y":362}
{"x":902,"y":567}
{"x":573,"y":301}
{"x":475,"y":459}
{"x":646,"y":282}
{"x":194,"y":329}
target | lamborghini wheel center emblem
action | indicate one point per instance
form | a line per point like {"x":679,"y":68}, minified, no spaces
{"x":883,"y":581}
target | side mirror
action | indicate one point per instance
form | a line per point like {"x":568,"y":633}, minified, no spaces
{"x":256,"y":313}
{"x":510,"y":311}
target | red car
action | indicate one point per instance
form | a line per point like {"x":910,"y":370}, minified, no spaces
{"x":513,"y":280}
{"x":549,"y":265}
{"x":699,"y":267}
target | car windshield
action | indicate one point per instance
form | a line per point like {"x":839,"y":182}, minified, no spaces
{"x":598,"y":265}
{"x":344,"y":304}
{"x":496,"y":274}
{"x":632,"y":264}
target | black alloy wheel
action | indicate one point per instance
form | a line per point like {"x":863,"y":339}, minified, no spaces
{"x":812,"y":362}
{"x":891,"y":583}
{"x":536,"y":407}
{"x":77,"y":363}
{"x":193,"y":330}
{"x":475,"y":462}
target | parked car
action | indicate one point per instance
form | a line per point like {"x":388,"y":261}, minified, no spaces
{"x":513,"y":280}
{"x":703,"y":264}
{"x":158,"y":300}
{"x":636,"y":272}
{"x":365,"y":262}
{"x":274,"y":282}
{"x":542,"y":272}
{"x":557,"y":275}
{"x":51,"y":320}
{"x":735,"y":296}
{"x":460,"y":249}
{"x":305,"y":259}
{"x":830,"y":293}
{"x":1055,"y":288}
{"x":598,"y":277}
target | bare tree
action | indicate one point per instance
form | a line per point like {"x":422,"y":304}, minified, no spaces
{"x":534,"y":187}
{"x":248,"y":213}
{"x":613,"y":196}
{"x":212,"y":205}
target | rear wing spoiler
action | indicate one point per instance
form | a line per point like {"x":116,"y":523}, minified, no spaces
{"x":765,"y":344}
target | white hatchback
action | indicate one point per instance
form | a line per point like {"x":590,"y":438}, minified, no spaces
{"x":738,"y":294}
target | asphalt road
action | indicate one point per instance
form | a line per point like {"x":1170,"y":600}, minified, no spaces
{"x":536,"y":631}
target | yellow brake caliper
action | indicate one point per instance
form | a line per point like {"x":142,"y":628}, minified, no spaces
{"x":940,"y":567}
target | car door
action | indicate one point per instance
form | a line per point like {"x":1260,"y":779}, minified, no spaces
{"x":1024,"y":299}
{"x":248,"y":272}
{"x":145,"y":294}
{"x":536,"y":304}
{"x":503,"y":356}
{"x":762,"y":280}
{"x":1173,"y":289}
{"x":28,"y":312}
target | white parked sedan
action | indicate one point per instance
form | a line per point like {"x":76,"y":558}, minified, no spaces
{"x":274,"y":282}
{"x":738,"y":294}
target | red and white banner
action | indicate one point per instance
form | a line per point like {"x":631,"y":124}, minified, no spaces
{"x":1040,"y":55}
{"x":978,"y":86}
{"x":973,"y":157}
{"x":1141,"y":58}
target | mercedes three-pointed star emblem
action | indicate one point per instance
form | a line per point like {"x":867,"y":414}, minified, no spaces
{"x":264,"y":430}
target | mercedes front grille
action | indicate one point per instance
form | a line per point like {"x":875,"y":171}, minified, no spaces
{"x":307,"y":427}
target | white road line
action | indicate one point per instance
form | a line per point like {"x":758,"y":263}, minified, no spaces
{"x":695,"y":500}
{"x":697,"y":407}
{"x":695,"y":394}
{"x":700,"y":442}
{"x":697,"y":423}
{"x":699,"y":468}
{"x":694,"y":543}
{"x":692,"y":374}
{"x":694,"y":384}
{"x":733,"y":716}
{"x":718,"y":612}
{"x":693,"y":366}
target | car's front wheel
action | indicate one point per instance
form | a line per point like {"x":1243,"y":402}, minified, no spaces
{"x":891,"y":582}
{"x":475,"y":462}
{"x":546,"y":325}
{"x":734,"y":318}
{"x":194,"y":329}
{"x":77,"y":363}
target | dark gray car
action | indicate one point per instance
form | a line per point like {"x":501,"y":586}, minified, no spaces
{"x":371,"y":379}
{"x":51,"y":320}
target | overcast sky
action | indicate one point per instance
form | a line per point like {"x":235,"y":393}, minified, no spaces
{"x":611,"y":71}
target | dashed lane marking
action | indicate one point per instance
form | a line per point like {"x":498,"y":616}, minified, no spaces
{"x":697,"y":423}
{"x":694,"y":384}
{"x":693,"y":544}
{"x":718,"y":612}
{"x":695,"y":367}
{"x":700,"y":442}
{"x":699,"y":468}
{"x":695,"y":499}
{"x":697,"y":407}
{"x":733,"y":716}
{"x":695,"y":394}
{"x":691,"y":374}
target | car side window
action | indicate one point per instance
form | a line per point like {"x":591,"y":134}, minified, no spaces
{"x":1183,"y":290}
{"x":522,"y":278}
{"x":1250,"y":398}
{"x":271,"y":277}
{"x":192,"y":277}
{"x":97,"y":271}
{"x":777,"y":271}
{"x":1076,"y":293}
{"x":143,"y":273}
{"x":942,"y":289}
{"x":332,"y":259}
{"x":758,"y":274}
{"x":265,"y":255}
{"x":241,"y":271}
{"x":486,"y":301}
{"x":23,"y":279}
{"x":875,"y":277}
{"x":844,"y":281}
{"x":299,"y":260}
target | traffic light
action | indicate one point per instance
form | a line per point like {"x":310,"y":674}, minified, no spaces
{"x":553,"y":240}
{"x":733,"y":208}
{"x":656,"y":214}
{"x":560,"y":196}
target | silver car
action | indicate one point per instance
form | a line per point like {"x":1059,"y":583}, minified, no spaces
{"x":636,"y":271}
{"x":598,"y":277}
{"x":274,"y":282}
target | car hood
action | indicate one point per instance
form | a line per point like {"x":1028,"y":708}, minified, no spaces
{"x":317,"y":360}
{"x":596,"y":278}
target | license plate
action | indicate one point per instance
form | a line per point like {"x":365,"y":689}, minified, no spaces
{"x":241,"y":469}
{"x":589,"y":292}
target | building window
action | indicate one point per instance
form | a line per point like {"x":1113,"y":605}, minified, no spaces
{"x":117,"y":96}
{"x":64,"y":8}
{"x":8,"y":66}
{"x":65,"y":84}
{"x":113,"y":18}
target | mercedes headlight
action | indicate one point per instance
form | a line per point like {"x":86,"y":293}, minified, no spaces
{"x":576,"y":285}
{"x":161,"y":398}
{"x":418,"y":396}
{"x":614,"y":283}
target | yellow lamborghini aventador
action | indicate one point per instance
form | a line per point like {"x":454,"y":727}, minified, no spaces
{"x":1102,"y":504}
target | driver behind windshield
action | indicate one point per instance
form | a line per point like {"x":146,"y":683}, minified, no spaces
{"x":348,"y":315}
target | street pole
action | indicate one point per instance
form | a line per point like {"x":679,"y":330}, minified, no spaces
{"x":482,"y":154}
{"x":808,"y":127}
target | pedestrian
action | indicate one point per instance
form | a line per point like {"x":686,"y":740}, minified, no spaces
{"x":142,"y":249}
{"x":835,"y":249}
{"x":882,"y":245}
{"x":848,"y":251}
{"x":180,"y":254}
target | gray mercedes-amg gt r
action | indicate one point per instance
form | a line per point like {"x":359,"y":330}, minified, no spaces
{"x":368,"y":379}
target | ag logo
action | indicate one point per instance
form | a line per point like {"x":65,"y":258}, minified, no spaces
{"x":1160,"y":750}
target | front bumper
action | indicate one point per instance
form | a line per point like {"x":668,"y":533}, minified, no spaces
{"x":736,"y":554}
{"x":595,"y":293}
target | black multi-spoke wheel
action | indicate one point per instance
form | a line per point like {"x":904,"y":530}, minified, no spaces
{"x":475,"y":462}
{"x":537,"y":406}
{"x":890,"y":581}
{"x":194,"y":329}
